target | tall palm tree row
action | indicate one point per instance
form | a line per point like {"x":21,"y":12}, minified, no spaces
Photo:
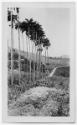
{"x":27,"y":27}
{"x":35,"y":36}
{"x":33,"y":30}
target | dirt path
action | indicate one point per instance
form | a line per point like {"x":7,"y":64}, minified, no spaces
{"x":52,"y":73}
{"x":54,"y":70}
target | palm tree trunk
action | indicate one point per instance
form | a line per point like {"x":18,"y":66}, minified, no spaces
{"x":35,"y":64}
{"x":39,"y":57}
{"x":39,"y":64}
{"x":34,"y":48}
{"x":23,"y":42}
{"x":30,"y":60}
{"x":36,"y":59}
{"x":11,"y":49}
{"x":45,"y":57}
{"x":45,"y":60}
{"x":27,"y":57}
{"x":23,"y":49}
{"x":8,"y":56}
{"x":19,"y":53}
{"x":41,"y":67}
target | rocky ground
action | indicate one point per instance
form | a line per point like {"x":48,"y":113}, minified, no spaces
{"x":41,"y":101}
{"x":48,"y":96}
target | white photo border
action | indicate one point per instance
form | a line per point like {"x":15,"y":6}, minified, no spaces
{"x":31,"y":119}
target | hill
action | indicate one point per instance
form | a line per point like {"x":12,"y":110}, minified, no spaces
{"x":54,"y":61}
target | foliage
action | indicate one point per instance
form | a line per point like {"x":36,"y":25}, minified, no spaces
{"x":62,"y":71}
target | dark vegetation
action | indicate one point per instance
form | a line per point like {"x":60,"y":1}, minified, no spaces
{"x":62,"y":71}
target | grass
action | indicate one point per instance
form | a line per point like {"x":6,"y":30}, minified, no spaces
{"x":62,"y":71}
{"x":56,"y":102}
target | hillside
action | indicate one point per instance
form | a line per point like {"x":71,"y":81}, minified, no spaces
{"x":51,"y":60}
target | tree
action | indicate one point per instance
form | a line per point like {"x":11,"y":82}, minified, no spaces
{"x":11,"y":17}
{"x":40,"y":36}
{"x":33,"y":37}
{"x":46,"y":44}
{"x":17,"y":9}
{"x":28,"y":33}
{"x":36,"y":35}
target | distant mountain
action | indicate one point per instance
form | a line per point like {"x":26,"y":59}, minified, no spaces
{"x":65,"y":56}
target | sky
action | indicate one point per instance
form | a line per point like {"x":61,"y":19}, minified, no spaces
{"x":56,"y":24}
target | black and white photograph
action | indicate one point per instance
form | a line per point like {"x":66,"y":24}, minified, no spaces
{"x":38,"y":61}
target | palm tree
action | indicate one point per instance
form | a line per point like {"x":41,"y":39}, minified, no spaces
{"x":11,"y":17}
{"x":11,"y":48}
{"x":47,"y":50}
{"x":34,"y":39}
{"x":36,"y":35}
{"x":46,"y":44}
{"x":40,"y":36}
{"x":30,"y":34}
{"x":17,"y":9}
